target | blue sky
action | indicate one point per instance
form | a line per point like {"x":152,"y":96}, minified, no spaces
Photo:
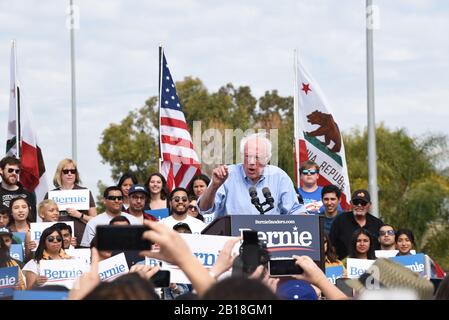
{"x":248,"y":43}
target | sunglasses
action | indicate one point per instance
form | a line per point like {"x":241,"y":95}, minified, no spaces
{"x":178,"y":199}
{"x":309,"y":171}
{"x":52,"y":239}
{"x":193,"y":208}
{"x":357,"y":202}
{"x":388,"y":232}
{"x":67,"y":171}
{"x":113,"y":198}
{"x":11,"y":170}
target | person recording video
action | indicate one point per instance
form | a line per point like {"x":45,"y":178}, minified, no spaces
{"x":228,"y":191}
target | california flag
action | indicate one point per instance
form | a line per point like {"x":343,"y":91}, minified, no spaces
{"x":317,"y":136}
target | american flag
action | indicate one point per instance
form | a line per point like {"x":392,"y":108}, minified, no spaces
{"x":180,"y":162}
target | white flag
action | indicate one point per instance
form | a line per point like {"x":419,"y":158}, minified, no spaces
{"x":317,"y":136}
{"x":32,"y":175}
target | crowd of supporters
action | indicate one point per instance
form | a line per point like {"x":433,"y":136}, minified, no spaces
{"x":351,"y":234}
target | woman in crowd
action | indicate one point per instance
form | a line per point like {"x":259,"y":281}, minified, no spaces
{"x":125,"y":183}
{"x":67,"y":177}
{"x":362,"y":245}
{"x":6,"y":261}
{"x":20,"y":210}
{"x":192,"y":209}
{"x":157,"y":187}
{"x":198,"y":184}
{"x":405,"y":241}
{"x":49,"y":248}
{"x":330,"y":255}
{"x":48,"y":211}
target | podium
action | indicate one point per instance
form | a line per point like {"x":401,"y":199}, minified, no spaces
{"x":284,"y":235}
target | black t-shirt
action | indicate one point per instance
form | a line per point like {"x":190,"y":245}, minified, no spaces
{"x":6,"y":196}
{"x":344,"y":226}
{"x":77,"y":223}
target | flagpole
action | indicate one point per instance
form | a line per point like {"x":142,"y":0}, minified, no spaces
{"x":372,"y":156}
{"x":295,"y":117}
{"x":161,"y":59}
{"x":17,"y":95}
{"x":72,"y":63}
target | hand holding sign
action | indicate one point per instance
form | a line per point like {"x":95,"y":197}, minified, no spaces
{"x":88,"y":281}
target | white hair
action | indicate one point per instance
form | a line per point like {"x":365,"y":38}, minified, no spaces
{"x":261,"y":136}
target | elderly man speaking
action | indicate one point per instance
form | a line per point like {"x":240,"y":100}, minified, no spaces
{"x":228,"y":192}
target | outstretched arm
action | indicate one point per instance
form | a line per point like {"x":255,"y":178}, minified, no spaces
{"x":174,"y":249}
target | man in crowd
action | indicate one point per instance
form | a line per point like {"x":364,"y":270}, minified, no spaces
{"x":68,"y":241}
{"x":11,"y":188}
{"x":179,"y":203}
{"x":228,"y":191}
{"x":386,"y":238}
{"x":137,"y":196}
{"x":346,"y":223}
{"x":4,"y":218}
{"x":310,"y":191}
{"x":113,"y":200}
{"x":331,"y":198}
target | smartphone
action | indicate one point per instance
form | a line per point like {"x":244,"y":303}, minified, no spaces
{"x":250,"y":237}
{"x":161,"y":279}
{"x":122,"y":238}
{"x":283,"y":267}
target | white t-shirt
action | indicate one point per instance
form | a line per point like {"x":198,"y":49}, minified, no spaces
{"x":31,"y":266}
{"x":101,"y":219}
{"x":195,"y":225}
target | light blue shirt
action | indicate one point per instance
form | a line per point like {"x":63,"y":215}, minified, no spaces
{"x":233,"y":196}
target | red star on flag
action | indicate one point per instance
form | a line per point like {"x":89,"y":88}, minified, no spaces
{"x":305,"y":88}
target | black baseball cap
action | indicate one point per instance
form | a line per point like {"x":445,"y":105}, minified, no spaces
{"x":361,"y":194}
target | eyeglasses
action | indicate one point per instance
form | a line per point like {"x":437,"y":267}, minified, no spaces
{"x":178,"y":199}
{"x":66,"y":171}
{"x":193,"y":208}
{"x":114,"y":198}
{"x":52,"y":239}
{"x":11,"y":170}
{"x":309,"y":171}
{"x":255,"y":158}
{"x":388,"y":232}
{"x":357,"y":202}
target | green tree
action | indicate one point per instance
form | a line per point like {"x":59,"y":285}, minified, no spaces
{"x":413,"y":190}
{"x":132,"y":145}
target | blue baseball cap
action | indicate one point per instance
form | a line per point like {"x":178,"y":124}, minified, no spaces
{"x":137,"y":188}
{"x":296,"y":290}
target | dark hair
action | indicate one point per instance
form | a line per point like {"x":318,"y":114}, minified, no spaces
{"x":407,"y":232}
{"x":119,"y":219}
{"x":9,"y":160}
{"x":127,"y":175}
{"x":63,"y":226}
{"x":176,"y":190}
{"x":330,"y":253}
{"x":237,"y":288}
{"x":11,"y":203}
{"x":201,"y":177}
{"x":331,"y":189}
{"x":164,"y":190}
{"x":130,"y":286}
{"x":387,"y":225}
{"x":111,"y":188}
{"x":443,"y":289}
{"x":4,"y":254}
{"x":309,"y":164}
{"x":353,"y":250}
{"x":41,"y":247}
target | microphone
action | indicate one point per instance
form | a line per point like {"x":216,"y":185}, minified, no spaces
{"x":268,"y":198}
{"x":254,"y":199}
{"x":267,"y":194}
